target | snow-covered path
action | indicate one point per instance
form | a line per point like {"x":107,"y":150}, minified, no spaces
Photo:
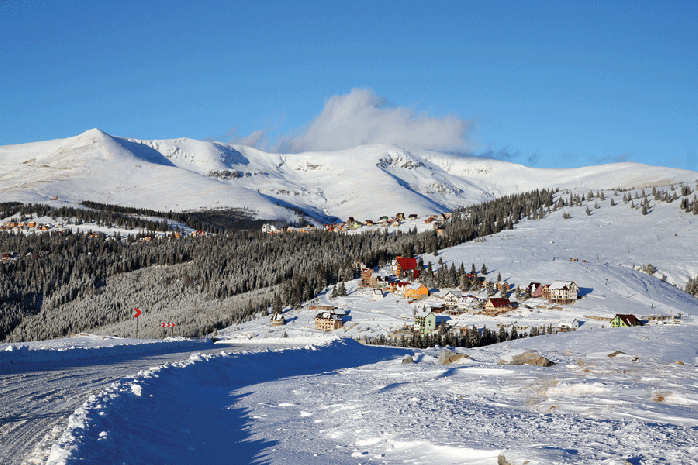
{"x":37,"y":397}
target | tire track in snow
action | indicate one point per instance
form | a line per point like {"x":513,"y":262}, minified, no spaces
{"x":36,"y":402}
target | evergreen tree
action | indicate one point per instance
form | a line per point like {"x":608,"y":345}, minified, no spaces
{"x":276,"y":306}
{"x":483,"y":270}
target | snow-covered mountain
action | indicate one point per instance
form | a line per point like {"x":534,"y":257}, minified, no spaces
{"x":364,"y":182}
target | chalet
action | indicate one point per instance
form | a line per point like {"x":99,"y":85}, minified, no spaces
{"x":469,"y":302}
{"x":498,"y":305}
{"x":563,"y":292}
{"x":395,"y":224}
{"x":328,"y":321}
{"x":367,"y":278}
{"x":277,"y":319}
{"x":544,"y":292}
{"x":451,"y":298}
{"x":368,"y":222}
{"x":399,"y":287}
{"x":402,"y":265}
{"x":416,"y":292}
{"x":625,"y":321}
{"x":382,"y":281}
{"x":426,"y":322}
{"x":502,"y":285}
{"x":353,"y":224}
{"x":400,"y":216}
{"x":567,"y":325}
{"x":413,"y":216}
{"x":533,"y":287}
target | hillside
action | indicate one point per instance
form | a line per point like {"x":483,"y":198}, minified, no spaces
{"x":364,"y":182}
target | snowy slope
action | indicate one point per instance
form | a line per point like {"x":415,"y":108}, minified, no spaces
{"x":339,"y":402}
{"x":365,"y":182}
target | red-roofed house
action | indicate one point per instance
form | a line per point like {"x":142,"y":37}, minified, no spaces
{"x":404,"y":265}
{"x":498,"y":305}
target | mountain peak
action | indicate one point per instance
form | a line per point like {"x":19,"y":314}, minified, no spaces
{"x":94,"y":132}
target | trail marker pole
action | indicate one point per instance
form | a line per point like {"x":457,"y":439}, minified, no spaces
{"x":136,"y":313}
{"x":171,"y":326}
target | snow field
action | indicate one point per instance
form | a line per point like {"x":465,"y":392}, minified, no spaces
{"x":341,"y":402}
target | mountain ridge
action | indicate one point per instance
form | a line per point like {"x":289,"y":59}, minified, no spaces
{"x":365,"y":182}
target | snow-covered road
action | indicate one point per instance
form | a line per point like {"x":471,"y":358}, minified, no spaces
{"x":36,"y":398}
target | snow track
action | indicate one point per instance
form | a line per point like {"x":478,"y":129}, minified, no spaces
{"x":36,"y":399}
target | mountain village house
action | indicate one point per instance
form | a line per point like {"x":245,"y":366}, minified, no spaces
{"x":328,"y":321}
{"x":563,"y":292}
{"x":497,"y":306}
{"x":402,"y":266}
{"x":426,"y":322}
{"x":452,"y":298}
{"x":625,"y":321}
{"x":415,"y":291}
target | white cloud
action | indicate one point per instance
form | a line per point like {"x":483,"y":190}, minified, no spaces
{"x":361,"y":117}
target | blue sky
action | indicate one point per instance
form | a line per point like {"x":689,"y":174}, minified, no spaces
{"x":545,"y":84}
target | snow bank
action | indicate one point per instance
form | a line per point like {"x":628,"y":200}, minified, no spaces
{"x":189,"y":398}
{"x":86,"y":346}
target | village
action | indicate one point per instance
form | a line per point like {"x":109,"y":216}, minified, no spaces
{"x":435,"y":222}
{"x":92,"y":229}
{"x":491,"y":303}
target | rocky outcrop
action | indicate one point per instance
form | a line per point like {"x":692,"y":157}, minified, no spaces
{"x":528,"y":358}
{"x":448,"y":357}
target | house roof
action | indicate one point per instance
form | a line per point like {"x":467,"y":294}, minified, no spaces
{"x":561,"y":285}
{"x":500,"y":302}
{"x":407,"y":263}
{"x":629,"y":319}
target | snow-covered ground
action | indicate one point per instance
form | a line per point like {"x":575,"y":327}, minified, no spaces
{"x":337,"y":401}
{"x":298,"y":395}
